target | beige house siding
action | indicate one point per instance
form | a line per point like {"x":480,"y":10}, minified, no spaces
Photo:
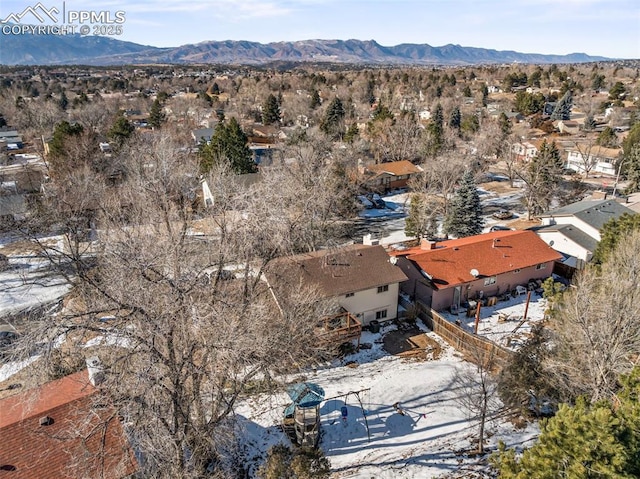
{"x":364,"y":304}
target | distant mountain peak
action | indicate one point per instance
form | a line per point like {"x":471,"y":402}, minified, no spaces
{"x":75,"y":49}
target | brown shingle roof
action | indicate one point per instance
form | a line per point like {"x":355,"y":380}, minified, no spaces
{"x":451,"y":262}
{"x":395,"y":168}
{"x":334,"y":272}
{"x":83,"y":438}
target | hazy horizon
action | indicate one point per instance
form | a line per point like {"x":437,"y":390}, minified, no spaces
{"x":609,"y":28}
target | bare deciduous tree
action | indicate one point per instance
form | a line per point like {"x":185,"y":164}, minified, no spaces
{"x":478,"y":392}
{"x":179,"y":341}
{"x":596,"y":331}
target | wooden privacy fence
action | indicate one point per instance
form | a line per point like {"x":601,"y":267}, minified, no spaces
{"x":475,"y":348}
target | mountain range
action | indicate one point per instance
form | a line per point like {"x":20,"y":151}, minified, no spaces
{"x":31,"y":49}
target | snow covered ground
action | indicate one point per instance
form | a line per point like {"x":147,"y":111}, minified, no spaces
{"x":386,"y":224}
{"x":428,"y":441}
{"x":502,"y":323}
{"x":29,"y":281}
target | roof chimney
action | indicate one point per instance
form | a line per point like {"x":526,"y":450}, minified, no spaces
{"x":427,"y":245}
{"x":96,"y":370}
{"x":369,"y":240}
{"x":46,"y":421}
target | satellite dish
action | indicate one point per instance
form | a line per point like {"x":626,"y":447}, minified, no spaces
{"x":393,"y":260}
{"x":474,"y":272}
{"x":551,"y":243}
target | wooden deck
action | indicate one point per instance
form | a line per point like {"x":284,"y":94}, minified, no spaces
{"x":339,"y":329}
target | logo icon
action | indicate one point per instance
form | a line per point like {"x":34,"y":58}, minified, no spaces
{"x":38,"y":11}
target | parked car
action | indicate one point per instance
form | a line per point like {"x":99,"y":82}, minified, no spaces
{"x":502,"y":215}
{"x":8,"y":335}
{"x":500,"y":228}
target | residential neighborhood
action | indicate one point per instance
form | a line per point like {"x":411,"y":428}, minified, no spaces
{"x":319,"y":269}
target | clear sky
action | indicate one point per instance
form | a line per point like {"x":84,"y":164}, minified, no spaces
{"x":597,"y":27}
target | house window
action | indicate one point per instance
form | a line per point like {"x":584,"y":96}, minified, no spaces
{"x":348,"y":295}
{"x":381,"y":314}
{"x":516,"y":270}
{"x":541,"y":266}
{"x":490,"y":280}
{"x":382,"y":289}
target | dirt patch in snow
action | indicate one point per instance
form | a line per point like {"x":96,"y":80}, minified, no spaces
{"x":522,"y":224}
{"x":500,"y":187}
{"x":411,"y":343}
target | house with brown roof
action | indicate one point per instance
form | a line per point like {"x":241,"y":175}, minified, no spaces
{"x":63,"y":429}
{"x":390,"y":175}
{"x":445,"y":274}
{"x":362,"y":279}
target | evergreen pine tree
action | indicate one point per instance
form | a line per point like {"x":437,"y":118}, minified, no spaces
{"x":315,"y":100}
{"x":63,"y":131}
{"x":612,"y":232}
{"x":332,"y":124}
{"x":381,"y":113}
{"x":63,"y":103}
{"x":543,"y":177}
{"x":505,"y":125}
{"x":121,"y":131}
{"x":562,"y":111}
{"x":352,"y":133}
{"x":455,"y":118}
{"x":584,"y":440}
{"x":470,"y":123}
{"x":228,"y":143}
{"x":270,"y":111}
{"x":369,"y":95}
{"x":632,"y":170}
{"x":467,"y":91}
{"x":436,"y":131}
{"x":464,"y":217}
{"x":607,"y":138}
{"x":156,"y":115}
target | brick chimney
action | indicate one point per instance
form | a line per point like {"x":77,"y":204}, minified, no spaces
{"x":427,"y":244}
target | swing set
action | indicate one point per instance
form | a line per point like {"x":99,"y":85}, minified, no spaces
{"x":344,"y":410}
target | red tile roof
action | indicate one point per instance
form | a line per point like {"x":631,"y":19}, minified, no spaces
{"x":84,"y":437}
{"x":451,"y":262}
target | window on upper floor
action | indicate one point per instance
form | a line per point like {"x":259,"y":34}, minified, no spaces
{"x":382,"y":289}
{"x":349,"y":295}
{"x":541,"y":266}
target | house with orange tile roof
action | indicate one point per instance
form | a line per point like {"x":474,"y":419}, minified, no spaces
{"x":63,"y":429}
{"x":390,"y":175}
{"x":445,"y":274}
